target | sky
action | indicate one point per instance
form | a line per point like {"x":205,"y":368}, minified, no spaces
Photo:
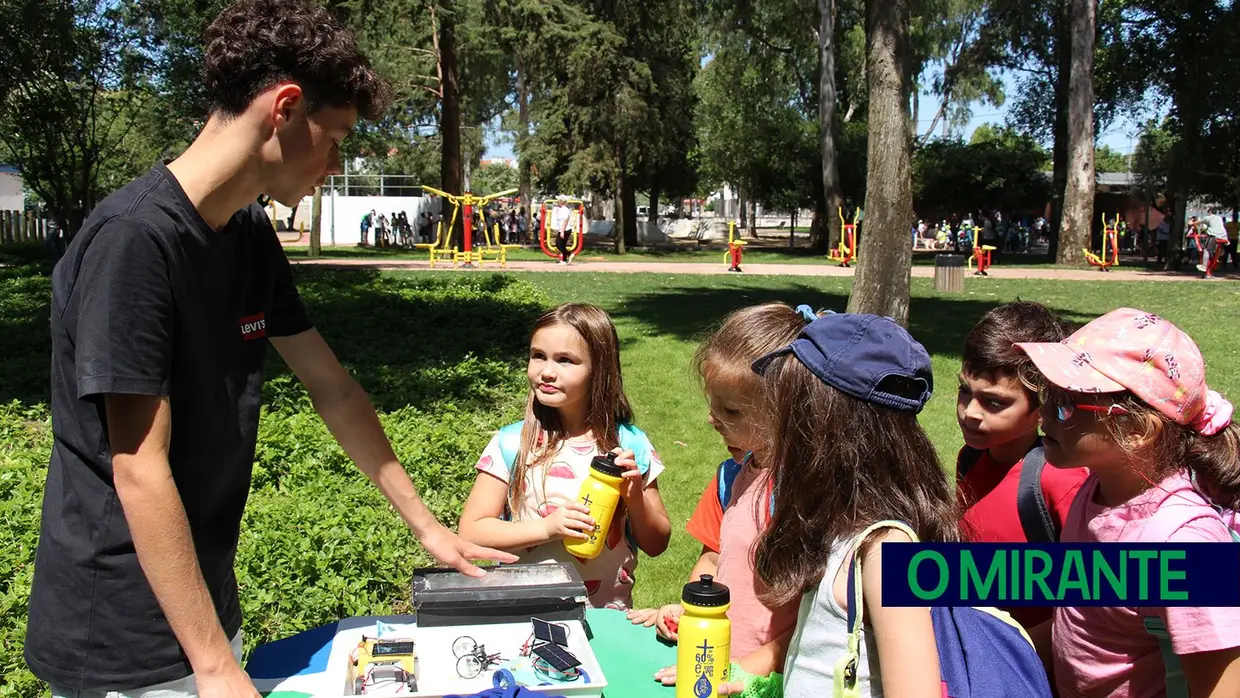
{"x":1121,"y":136}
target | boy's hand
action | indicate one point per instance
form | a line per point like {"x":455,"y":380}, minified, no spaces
{"x":632,"y":485}
{"x":570,"y":520}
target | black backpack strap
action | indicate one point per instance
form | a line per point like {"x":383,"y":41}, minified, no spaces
{"x":1035,"y":516}
{"x":968,"y":458}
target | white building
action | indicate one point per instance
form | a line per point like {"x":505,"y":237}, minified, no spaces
{"x":12,"y":193}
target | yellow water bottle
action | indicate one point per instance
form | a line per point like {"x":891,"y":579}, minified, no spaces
{"x":600,"y":493}
{"x":703,"y":652}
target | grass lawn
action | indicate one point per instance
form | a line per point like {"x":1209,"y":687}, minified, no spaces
{"x":441,"y":356}
{"x":660,"y":317}
{"x":769,"y":250}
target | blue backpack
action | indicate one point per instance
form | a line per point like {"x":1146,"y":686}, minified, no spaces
{"x":726,"y":478}
{"x":631,"y":439}
{"x":983,"y":653}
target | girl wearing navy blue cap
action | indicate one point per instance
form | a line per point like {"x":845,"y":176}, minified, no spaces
{"x":846,"y":452}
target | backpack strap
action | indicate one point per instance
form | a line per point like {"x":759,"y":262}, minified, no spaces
{"x":968,"y":458}
{"x":1159,"y":530}
{"x":633,"y":439}
{"x":510,"y":443}
{"x":726,"y":477}
{"x":509,"y":446}
{"x":1177,"y":685}
{"x":846,"y":666}
{"x":1035,"y":516}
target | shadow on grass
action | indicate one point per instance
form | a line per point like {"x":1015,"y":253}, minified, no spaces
{"x":421,"y":341}
{"x":939,"y":323}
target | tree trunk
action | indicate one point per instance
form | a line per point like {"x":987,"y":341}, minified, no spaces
{"x":753,"y":218}
{"x":617,"y":232}
{"x":629,"y":203}
{"x":742,"y":213}
{"x":912,"y":120}
{"x":820,"y":225}
{"x":1059,"y":150}
{"x":827,"y":127}
{"x":1078,"y":206}
{"x":792,"y":230}
{"x":450,"y":117}
{"x":316,"y":222}
{"x":881,"y":286}
{"x":523,"y":133}
{"x":655,"y":192}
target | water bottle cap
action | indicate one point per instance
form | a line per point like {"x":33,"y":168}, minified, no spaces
{"x":606,"y":464}
{"x":706,"y":592}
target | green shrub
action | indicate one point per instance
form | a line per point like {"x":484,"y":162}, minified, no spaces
{"x":442,"y":358}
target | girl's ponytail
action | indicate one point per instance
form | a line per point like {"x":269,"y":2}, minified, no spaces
{"x":1215,"y":460}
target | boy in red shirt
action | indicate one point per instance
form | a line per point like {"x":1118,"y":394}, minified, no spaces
{"x":998,"y":416}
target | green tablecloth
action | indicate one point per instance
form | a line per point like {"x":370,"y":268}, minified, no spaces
{"x":629,"y":655}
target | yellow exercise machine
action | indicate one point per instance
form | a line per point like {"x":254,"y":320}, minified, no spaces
{"x":577,"y":237}
{"x":495,"y":245}
{"x":846,"y":253}
{"x":736,"y":248}
{"x":443,"y":236}
{"x":1110,"y":238}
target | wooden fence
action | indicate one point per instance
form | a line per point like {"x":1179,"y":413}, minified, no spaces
{"x":24,"y":227}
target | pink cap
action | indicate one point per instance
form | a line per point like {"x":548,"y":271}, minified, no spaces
{"x":1131,"y":350}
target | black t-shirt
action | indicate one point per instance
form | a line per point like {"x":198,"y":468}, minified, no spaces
{"x":149,"y":300}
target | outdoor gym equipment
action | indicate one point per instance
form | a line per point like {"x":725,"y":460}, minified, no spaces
{"x":577,"y":236}
{"x":443,"y":236}
{"x":1201,"y":239}
{"x":846,"y":253}
{"x":1110,"y":238}
{"x":981,"y":255}
{"x":736,"y":248}
{"x":495,"y":243}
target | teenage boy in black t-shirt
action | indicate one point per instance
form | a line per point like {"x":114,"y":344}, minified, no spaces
{"x":162,"y":309}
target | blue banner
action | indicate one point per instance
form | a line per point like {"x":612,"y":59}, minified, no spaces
{"x":1061,"y":574}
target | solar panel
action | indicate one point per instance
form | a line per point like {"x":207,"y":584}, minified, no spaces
{"x":559,"y":658}
{"x":385,"y":648}
{"x":546,"y":632}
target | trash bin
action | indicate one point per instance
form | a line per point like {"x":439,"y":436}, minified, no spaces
{"x":949,"y":273}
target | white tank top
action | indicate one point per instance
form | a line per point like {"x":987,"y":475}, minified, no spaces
{"x":821,"y":639}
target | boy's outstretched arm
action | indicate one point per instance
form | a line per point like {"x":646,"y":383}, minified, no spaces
{"x":349,"y":416}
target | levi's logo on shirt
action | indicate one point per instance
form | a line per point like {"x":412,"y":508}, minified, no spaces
{"x":254,"y":327}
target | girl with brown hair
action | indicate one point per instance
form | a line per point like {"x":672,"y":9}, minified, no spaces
{"x":729,"y":518}
{"x":525,"y":496}
{"x":1127,"y":399}
{"x":846,"y":452}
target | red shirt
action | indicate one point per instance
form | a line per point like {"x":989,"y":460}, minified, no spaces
{"x":707,"y":519}
{"x":987,"y":495}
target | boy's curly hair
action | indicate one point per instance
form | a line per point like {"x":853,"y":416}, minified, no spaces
{"x":254,"y":44}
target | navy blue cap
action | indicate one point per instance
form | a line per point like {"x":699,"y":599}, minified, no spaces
{"x":866,"y":356}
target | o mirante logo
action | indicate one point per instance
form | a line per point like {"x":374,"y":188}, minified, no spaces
{"x":1063,"y":574}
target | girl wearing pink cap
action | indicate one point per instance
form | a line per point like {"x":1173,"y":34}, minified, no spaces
{"x":1126,"y":397}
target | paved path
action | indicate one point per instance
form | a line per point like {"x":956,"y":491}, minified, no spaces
{"x":753,"y":269}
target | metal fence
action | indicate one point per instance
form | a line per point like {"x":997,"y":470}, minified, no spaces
{"x":25,"y":227}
